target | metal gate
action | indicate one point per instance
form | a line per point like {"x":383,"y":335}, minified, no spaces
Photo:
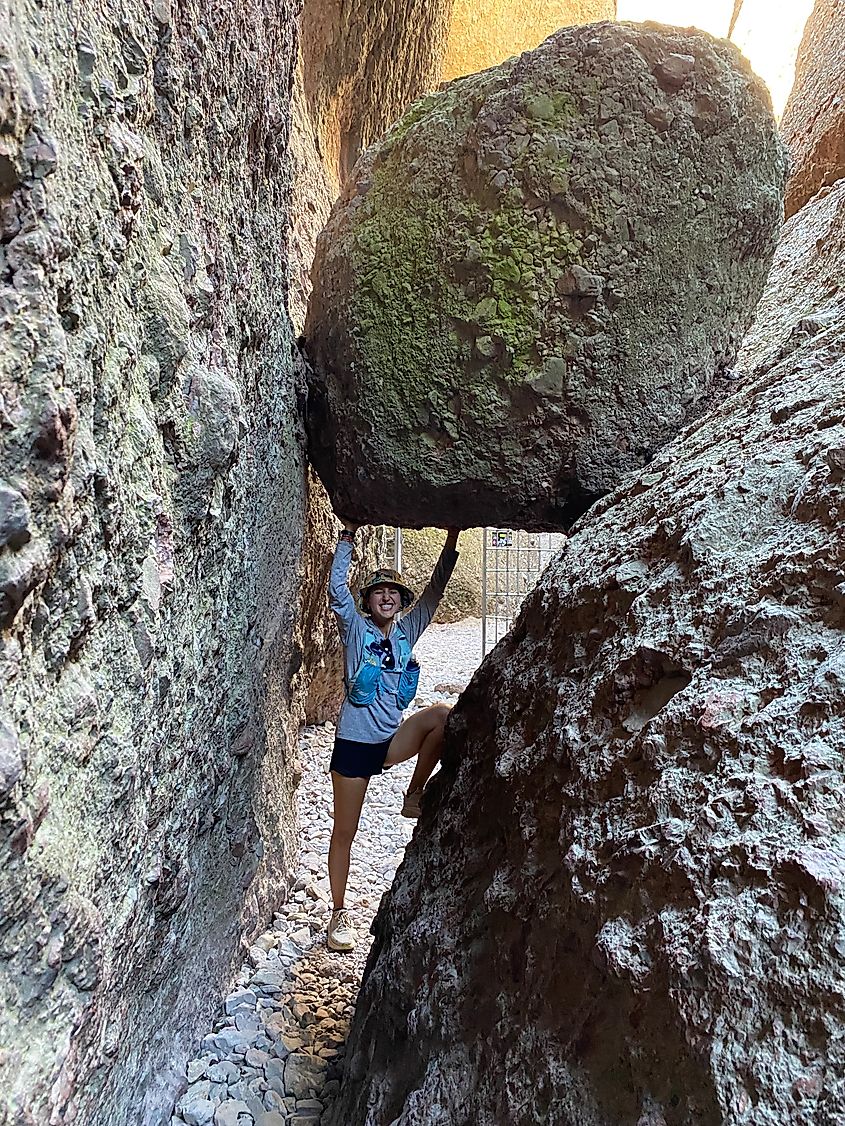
{"x":512,"y":562}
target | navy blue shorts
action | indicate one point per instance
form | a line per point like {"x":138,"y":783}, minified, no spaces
{"x":358,"y":760}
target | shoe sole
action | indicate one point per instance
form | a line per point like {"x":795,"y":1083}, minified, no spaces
{"x":338,"y":949}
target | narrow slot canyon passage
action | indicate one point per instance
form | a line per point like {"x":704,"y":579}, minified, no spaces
{"x":279,"y":279}
{"x":275,"y":1052}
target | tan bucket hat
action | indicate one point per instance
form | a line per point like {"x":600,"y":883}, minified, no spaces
{"x":385,"y":577}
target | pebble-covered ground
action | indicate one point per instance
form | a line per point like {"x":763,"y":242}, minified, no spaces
{"x":275,"y":1054}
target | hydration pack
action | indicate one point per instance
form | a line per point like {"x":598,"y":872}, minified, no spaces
{"x":363,"y":688}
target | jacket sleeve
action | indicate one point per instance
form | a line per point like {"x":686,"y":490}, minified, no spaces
{"x":340,"y":596}
{"x":417,"y":619}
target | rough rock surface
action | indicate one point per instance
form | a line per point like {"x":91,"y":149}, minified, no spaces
{"x":625,"y":902}
{"x":768,"y":37}
{"x":485,"y":32}
{"x":538,"y":275}
{"x":151,"y":515}
{"x":359,"y":68}
{"x":364,"y":61}
{"x":814,"y":119}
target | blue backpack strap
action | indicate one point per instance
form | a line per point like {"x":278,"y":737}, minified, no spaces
{"x":363,"y":687}
{"x":410,"y":678}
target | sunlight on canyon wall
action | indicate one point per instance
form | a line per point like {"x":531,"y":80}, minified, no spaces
{"x":483,"y":34}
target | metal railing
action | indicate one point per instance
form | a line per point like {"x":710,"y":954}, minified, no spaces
{"x":512,"y":562}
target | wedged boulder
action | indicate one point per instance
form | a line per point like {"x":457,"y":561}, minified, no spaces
{"x":625,"y":901}
{"x":538,"y":276}
{"x":814,"y":119}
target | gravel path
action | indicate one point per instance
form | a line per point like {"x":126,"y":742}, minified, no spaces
{"x":275,"y":1055}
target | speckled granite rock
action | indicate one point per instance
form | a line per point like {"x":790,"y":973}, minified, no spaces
{"x":814,"y":119}
{"x":625,"y":900}
{"x":538,"y":275}
{"x":151,"y":517}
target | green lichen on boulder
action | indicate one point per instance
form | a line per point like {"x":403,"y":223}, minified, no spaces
{"x":538,"y":276}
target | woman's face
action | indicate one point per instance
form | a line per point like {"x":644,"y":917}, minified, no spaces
{"x":384,"y":603}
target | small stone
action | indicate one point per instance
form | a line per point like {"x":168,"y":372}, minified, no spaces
{"x":223,"y":1072}
{"x":675,"y":69}
{"x":199,"y":1113}
{"x":274,"y":1069}
{"x":274,"y":1101}
{"x":578,"y":282}
{"x":303,"y":1074}
{"x":268,"y":980}
{"x":242,"y":1092}
{"x":234,"y":1042}
{"x":660,"y":117}
{"x":485,"y":347}
{"x":196,"y":1091}
{"x":233,"y":1112}
{"x":196,"y":1069}
{"x":244,"y":998}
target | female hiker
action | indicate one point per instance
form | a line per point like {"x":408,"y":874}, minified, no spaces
{"x":381,"y":678}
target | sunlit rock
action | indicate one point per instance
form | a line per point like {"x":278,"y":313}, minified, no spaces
{"x":814,"y":120}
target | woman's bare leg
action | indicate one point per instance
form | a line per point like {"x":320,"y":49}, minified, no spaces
{"x":421,"y":735}
{"x":348,"y":800}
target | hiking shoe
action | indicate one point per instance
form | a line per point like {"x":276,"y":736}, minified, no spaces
{"x":411,"y":805}
{"x":341,"y":935}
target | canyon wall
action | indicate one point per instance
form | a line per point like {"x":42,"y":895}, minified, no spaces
{"x":160,"y":544}
{"x":152,"y":513}
{"x":814,"y":119}
{"x":624,"y":902}
{"x":484,"y":32}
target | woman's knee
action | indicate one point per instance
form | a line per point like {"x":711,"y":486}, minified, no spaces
{"x":343,"y":836}
{"x":440,"y":713}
